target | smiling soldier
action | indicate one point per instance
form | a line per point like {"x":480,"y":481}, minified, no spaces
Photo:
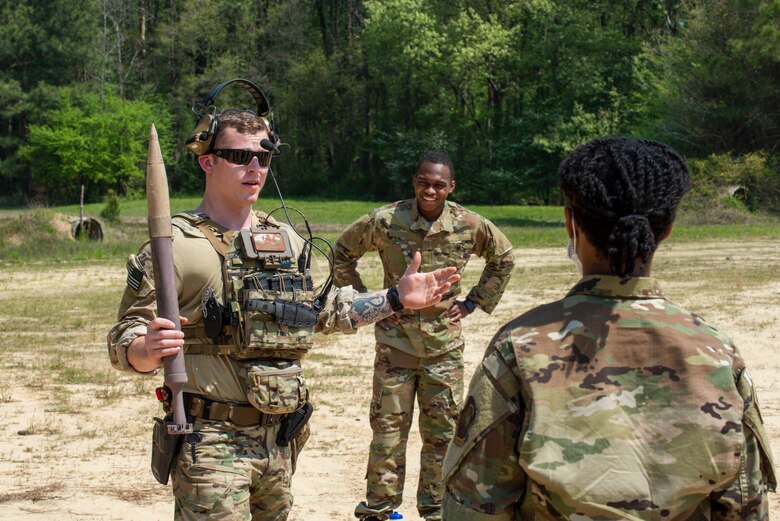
{"x":420,"y":352}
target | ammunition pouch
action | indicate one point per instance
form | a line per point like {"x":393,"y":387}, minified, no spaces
{"x":276,"y":387}
{"x":165,"y":448}
{"x":282,"y":282}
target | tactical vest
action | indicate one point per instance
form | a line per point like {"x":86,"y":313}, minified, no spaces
{"x":266,"y":309}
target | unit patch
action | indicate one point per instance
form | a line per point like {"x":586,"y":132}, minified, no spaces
{"x":465,"y":420}
{"x":269,"y":241}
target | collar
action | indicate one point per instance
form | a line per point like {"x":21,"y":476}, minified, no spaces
{"x":259,"y":218}
{"x":442,"y":224}
{"x":610,"y":286}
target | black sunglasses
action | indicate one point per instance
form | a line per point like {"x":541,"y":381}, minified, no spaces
{"x":241,"y":156}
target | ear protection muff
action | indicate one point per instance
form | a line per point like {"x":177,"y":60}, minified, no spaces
{"x":202,"y":139}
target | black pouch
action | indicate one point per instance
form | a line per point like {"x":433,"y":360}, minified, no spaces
{"x":165,"y":448}
{"x":293,"y":424}
{"x":212,"y":313}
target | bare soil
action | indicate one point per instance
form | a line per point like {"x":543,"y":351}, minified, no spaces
{"x":81,"y":450}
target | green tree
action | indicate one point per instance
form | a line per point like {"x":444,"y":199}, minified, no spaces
{"x":42,"y":44}
{"x":717,"y":83}
{"x":96,"y":140}
{"x":506,"y":87}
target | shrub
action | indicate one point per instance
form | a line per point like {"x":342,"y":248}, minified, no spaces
{"x":727,"y":188}
{"x":111,"y":210}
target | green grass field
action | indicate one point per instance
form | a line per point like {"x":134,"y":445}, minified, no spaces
{"x":26,"y":237}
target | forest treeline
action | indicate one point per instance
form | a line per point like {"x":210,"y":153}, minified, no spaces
{"x":359,"y":88}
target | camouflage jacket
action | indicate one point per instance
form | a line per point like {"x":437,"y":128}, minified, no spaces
{"x":198,"y":266}
{"x":612,"y":403}
{"x":397,"y":231}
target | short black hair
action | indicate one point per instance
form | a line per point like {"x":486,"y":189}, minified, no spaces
{"x":436,"y":157}
{"x":624,"y":195}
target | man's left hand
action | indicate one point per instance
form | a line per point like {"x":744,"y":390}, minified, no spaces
{"x":458,"y":310}
{"x":421,"y":290}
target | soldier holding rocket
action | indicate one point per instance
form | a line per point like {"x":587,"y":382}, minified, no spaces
{"x":249,"y":312}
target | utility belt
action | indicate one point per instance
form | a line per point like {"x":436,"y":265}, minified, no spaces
{"x":198,"y":406}
{"x":293,"y":429}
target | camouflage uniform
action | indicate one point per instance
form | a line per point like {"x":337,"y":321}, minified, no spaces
{"x":224,"y":470}
{"x":612,"y":403}
{"x":424,"y":354}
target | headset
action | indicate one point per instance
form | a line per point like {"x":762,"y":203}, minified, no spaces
{"x":202,"y":139}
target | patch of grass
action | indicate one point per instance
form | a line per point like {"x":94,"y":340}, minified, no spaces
{"x":108,"y":394}
{"x":345,"y":370}
{"x":143,"y":386}
{"x":65,"y":399}
{"x":725,"y":232}
{"x":48,"y":491}
{"x":27,"y":236}
{"x":88,"y":434}
{"x":36,"y":425}
{"x":6,"y":395}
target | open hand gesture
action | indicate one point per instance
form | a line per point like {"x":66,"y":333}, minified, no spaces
{"x":421,"y":290}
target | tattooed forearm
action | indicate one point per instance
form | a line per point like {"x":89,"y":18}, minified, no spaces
{"x":370,"y":308}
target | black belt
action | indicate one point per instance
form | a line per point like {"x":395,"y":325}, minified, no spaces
{"x":198,"y":406}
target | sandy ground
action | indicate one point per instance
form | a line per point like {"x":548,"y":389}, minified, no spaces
{"x":81,"y":451}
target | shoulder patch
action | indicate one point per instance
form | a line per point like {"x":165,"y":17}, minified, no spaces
{"x":135,"y":270}
{"x":498,"y":367}
{"x":466,"y":419}
{"x":134,"y":277}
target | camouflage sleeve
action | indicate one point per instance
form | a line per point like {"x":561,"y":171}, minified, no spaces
{"x":746,"y":497}
{"x":351,"y":245}
{"x":137,"y":308}
{"x":495,"y":248}
{"x":482,"y":475}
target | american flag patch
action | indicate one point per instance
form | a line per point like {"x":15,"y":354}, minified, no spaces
{"x":134,"y":277}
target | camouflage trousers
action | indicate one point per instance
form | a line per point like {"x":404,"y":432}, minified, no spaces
{"x":438,"y":384}
{"x":229,"y":472}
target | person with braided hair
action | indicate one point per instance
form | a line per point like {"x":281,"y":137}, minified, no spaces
{"x":613,"y":402}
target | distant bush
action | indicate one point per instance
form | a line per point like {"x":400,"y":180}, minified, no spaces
{"x":35,"y":223}
{"x":111,"y":210}
{"x":726,"y":189}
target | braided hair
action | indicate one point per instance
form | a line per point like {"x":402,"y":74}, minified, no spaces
{"x":624,"y":195}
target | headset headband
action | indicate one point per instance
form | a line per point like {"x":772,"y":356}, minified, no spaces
{"x":202,"y":139}
{"x":263,"y":108}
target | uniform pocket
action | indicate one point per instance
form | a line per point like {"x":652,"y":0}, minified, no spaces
{"x":276,"y":390}
{"x":202,"y":478}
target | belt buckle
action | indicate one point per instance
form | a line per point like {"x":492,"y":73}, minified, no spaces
{"x":244,"y":415}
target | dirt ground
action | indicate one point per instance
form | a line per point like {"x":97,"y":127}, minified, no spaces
{"x":81,"y":451}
